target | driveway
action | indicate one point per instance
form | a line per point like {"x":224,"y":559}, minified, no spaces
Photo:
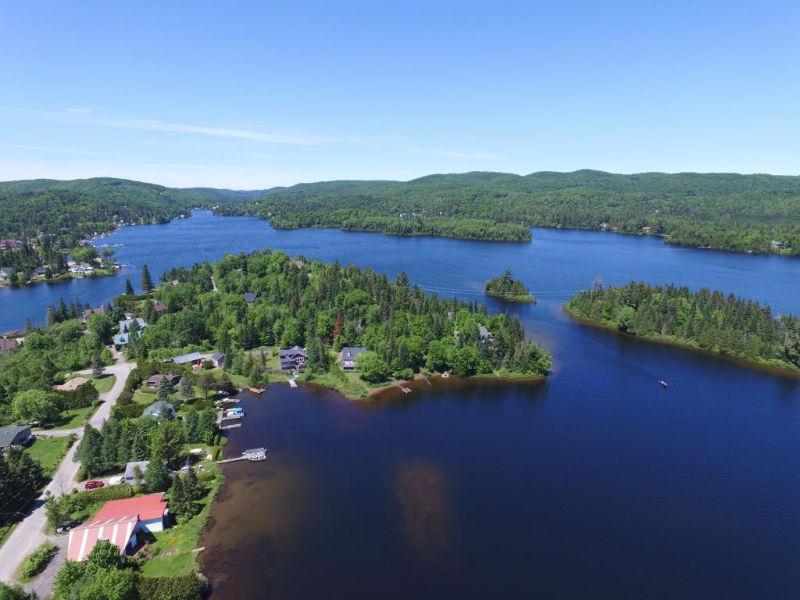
{"x":29,"y":533}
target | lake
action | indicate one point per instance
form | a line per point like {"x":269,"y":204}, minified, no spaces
{"x":595,"y":483}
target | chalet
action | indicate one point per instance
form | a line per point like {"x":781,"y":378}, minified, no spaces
{"x":80,"y":268}
{"x":485,"y":334}
{"x":5,"y":274}
{"x":154,"y":380}
{"x":217,"y":359}
{"x":71,"y":385}
{"x":8,"y":345}
{"x":125,"y":325}
{"x":647,"y":230}
{"x":119,"y":522}
{"x":159,"y":409}
{"x":159,"y":307}
{"x":16,"y":435}
{"x":91,"y":311}
{"x":293,"y":358}
{"x":40,"y":272}
{"x":250,"y":297}
{"x":131,"y":468}
{"x":193,"y":358}
{"x":348,"y":357}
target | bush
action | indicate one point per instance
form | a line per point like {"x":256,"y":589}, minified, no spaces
{"x":126,"y":411}
{"x":185,"y":587}
{"x":61,"y":508}
{"x":82,"y":397}
{"x":36,"y":562}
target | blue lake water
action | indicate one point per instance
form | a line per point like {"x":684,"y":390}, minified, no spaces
{"x":596,"y":483}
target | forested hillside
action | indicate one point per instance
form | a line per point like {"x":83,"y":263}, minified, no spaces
{"x":744,"y":213}
{"x":705,"y":319}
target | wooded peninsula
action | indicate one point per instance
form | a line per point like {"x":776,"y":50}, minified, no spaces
{"x":708,"y":320}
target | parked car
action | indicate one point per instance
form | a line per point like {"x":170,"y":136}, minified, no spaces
{"x":115,"y":480}
{"x":66,"y":526}
{"x":93,"y":484}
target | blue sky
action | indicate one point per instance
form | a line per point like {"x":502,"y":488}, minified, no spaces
{"x":251,"y":95}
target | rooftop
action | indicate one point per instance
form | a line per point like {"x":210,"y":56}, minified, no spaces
{"x":151,"y":506}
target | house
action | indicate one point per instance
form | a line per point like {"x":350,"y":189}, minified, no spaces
{"x":217,"y":359}
{"x":71,"y":385}
{"x":80,"y":268}
{"x":159,"y":307}
{"x":9,"y":244}
{"x":5,"y":274}
{"x":647,"y":230}
{"x":122,"y":339}
{"x":125,"y":325}
{"x":91,"y":311}
{"x":16,"y":435}
{"x":349,"y":355}
{"x":40,"y":272}
{"x":293,"y":358}
{"x":159,"y":409}
{"x":193,"y":358}
{"x":130,"y":471}
{"x":154,"y":380}
{"x":8,"y":345}
{"x":119,"y":522}
{"x":250,"y":297}
{"x":485,"y":334}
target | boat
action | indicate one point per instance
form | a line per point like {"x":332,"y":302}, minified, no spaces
{"x":662,"y":383}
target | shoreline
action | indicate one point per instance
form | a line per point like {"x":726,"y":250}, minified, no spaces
{"x":62,"y":279}
{"x":775,"y":369}
{"x":529,"y":299}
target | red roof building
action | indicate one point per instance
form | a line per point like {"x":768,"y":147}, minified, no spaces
{"x":118,"y":521}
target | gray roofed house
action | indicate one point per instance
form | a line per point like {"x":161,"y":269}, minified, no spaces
{"x":159,"y":409}
{"x":250,"y":297}
{"x":293,"y":358}
{"x":130,"y":470}
{"x":192,"y":357}
{"x":154,"y":380}
{"x":349,"y":356}
{"x":125,"y":325}
{"x":217,"y":359}
{"x":16,"y":435}
{"x":485,"y":334}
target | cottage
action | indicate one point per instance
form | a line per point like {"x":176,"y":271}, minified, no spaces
{"x":154,"y":380}
{"x":91,"y":311}
{"x":122,"y":339}
{"x":193,"y":358}
{"x":5,"y":274}
{"x":159,"y":409}
{"x":134,"y":472}
{"x":485,"y":334}
{"x":125,"y":325}
{"x":8,"y":345}
{"x":119,"y":522}
{"x":217,"y":359}
{"x":293,"y":358}
{"x":250,"y":297}
{"x":40,"y":272}
{"x":159,"y":307}
{"x":349,"y":355}
{"x":71,"y":385}
{"x":16,"y":435}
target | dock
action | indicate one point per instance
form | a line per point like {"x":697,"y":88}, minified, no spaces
{"x":254,"y":390}
{"x":292,"y":383}
{"x":253,"y":455}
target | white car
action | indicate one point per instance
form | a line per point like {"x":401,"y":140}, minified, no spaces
{"x":115,"y":480}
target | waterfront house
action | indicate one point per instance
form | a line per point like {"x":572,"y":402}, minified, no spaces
{"x":131,"y":468}
{"x":8,"y":345}
{"x":347,"y":359}
{"x":40,"y":272}
{"x":193,"y":358}
{"x":250,"y":297}
{"x":154,"y":380}
{"x":159,"y":409}
{"x":125,"y":325}
{"x":119,"y":522}
{"x":293,"y":358}
{"x":15,"y":435}
{"x":91,"y":311}
{"x":5,"y":274}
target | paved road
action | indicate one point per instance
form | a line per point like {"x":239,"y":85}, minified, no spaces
{"x":29,"y":533}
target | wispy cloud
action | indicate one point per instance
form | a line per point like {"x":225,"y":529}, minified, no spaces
{"x":63,"y":151}
{"x":453,"y":154}
{"x":85,"y":116}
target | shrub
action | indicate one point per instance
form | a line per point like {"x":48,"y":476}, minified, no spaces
{"x":37,"y":560}
{"x":82,"y":397}
{"x":126,"y":411}
{"x":185,"y":587}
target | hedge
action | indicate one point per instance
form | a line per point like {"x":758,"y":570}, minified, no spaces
{"x":84,"y":396}
{"x":61,"y":508}
{"x":184,"y":587}
{"x":36,"y":562}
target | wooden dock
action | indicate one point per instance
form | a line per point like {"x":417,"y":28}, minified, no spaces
{"x":292,"y":383}
{"x":253,"y":455}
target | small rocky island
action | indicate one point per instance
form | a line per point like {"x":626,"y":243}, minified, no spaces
{"x":509,"y":289}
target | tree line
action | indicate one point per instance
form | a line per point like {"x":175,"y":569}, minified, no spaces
{"x":705,"y":319}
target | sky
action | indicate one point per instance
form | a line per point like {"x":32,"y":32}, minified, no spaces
{"x":250,"y":95}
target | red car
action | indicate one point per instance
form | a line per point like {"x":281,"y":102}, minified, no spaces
{"x":93,"y":484}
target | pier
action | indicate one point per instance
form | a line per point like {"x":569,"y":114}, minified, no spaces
{"x":253,"y":455}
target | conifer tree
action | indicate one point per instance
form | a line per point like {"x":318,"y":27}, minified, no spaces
{"x":147,"y":281}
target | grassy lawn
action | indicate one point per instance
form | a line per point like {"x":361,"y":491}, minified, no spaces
{"x":347,"y":383}
{"x":144,"y":398}
{"x":49,"y":451}
{"x":104,"y":383}
{"x":173,"y":547}
{"x":74,"y":418}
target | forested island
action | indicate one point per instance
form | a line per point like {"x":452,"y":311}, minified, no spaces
{"x":708,"y":320}
{"x":742,"y":213}
{"x":507,"y":288}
